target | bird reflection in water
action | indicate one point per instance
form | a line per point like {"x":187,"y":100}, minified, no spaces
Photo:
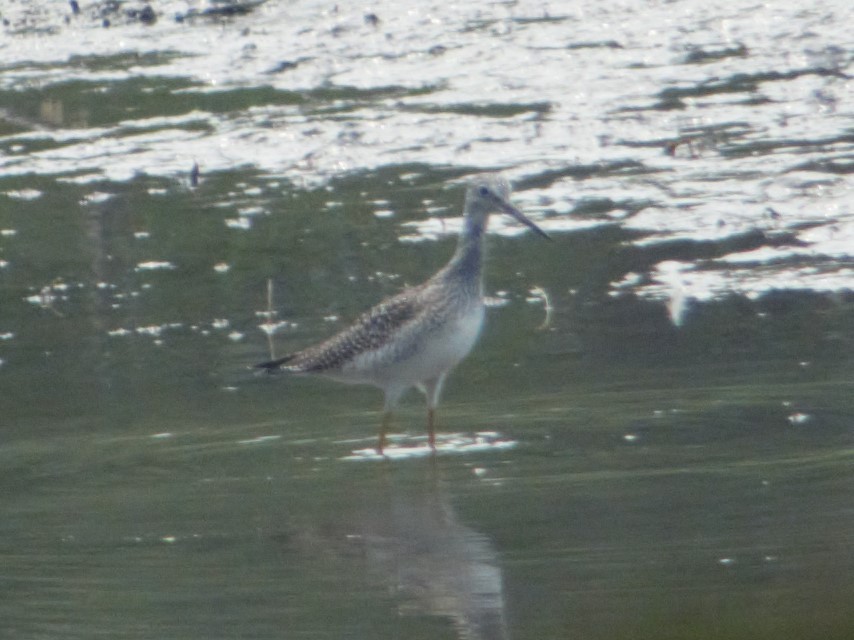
{"x":407,"y":533}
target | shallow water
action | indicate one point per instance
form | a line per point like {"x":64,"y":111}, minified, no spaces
{"x":653,"y":438}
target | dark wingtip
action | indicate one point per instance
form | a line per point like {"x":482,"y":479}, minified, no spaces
{"x":273,"y":365}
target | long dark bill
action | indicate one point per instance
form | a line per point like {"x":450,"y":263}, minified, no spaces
{"x":512,"y":211}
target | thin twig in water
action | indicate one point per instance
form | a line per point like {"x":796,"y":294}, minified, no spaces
{"x":270,"y":314}
{"x":195,"y":173}
{"x":47,"y":298}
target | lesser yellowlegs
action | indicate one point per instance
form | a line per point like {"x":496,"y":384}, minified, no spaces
{"x":413,"y":339}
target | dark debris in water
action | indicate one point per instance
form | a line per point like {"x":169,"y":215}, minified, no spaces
{"x":761,"y":147}
{"x":287,"y":65}
{"x":109,"y":13}
{"x":602,"y":207}
{"x":583,"y":172}
{"x":490,"y":110}
{"x":672,"y":97}
{"x":839,"y":167}
{"x":223,"y":10}
{"x":603,"y":44}
{"x":545,"y":18}
{"x":699,"y":55}
{"x":693,"y":142}
{"x":195,"y":174}
{"x":117,"y":11}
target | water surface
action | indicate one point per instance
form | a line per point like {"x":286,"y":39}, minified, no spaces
{"x":653,"y":438}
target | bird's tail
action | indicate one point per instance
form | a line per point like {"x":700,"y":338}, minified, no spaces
{"x":273,"y":365}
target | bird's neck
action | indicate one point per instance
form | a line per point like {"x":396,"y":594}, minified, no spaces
{"x":466,"y":265}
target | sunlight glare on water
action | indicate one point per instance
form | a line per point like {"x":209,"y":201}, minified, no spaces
{"x":653,"y":437}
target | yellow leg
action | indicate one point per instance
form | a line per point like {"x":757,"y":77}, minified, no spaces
{"x":383,"y":429}
{"x":432,"y":389}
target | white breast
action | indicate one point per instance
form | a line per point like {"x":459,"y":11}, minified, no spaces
{"x":430,"y":355}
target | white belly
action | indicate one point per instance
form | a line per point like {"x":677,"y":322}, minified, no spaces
{"x":429,"y":356}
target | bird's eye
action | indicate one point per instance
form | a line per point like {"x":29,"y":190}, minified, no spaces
{"x":483,"y":191}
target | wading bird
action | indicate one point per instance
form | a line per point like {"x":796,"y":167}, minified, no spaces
{"x":413,"y":339}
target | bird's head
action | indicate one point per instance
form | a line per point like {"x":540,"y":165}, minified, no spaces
{"x":488,"y":194}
